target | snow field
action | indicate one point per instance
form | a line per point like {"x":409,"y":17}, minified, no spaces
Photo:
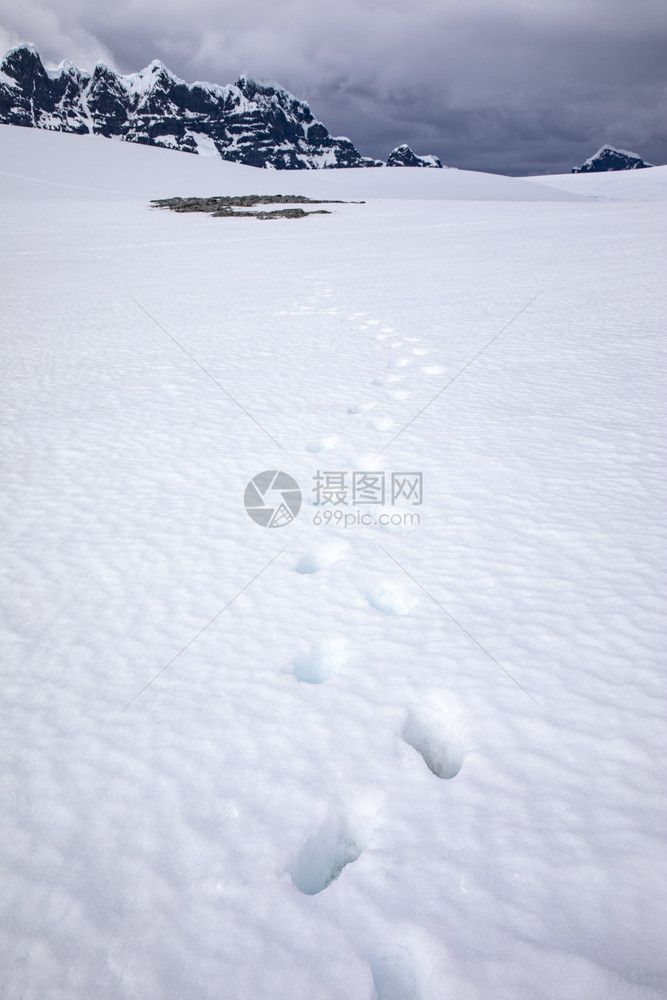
{"x":435,"y":782}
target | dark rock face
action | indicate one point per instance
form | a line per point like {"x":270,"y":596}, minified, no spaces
{"x":248,"y":122}
{"x":608,"y":158}
{"x":403,"y":156}
{"x":234,"y":207}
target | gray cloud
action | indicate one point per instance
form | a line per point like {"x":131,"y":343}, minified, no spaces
{"x":525,"y":88}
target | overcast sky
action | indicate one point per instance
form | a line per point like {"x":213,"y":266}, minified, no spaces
{"x":511,"y":86}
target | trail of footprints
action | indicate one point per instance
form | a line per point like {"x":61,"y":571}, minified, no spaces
{"x":409,"y":356}
{"x":434,"y":730}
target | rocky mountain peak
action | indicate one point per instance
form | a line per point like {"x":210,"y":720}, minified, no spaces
{"x":259,"y":124}
{"x":403,"y":156}
{"x":610,"y":158}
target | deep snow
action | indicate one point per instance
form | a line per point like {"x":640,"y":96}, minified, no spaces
{"x":411,"y":762}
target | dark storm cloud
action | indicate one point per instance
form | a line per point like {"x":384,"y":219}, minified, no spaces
{"x":526,"y":87}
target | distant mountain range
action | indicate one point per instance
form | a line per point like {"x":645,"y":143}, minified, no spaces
{"x":247,"y":122}
{"x":609,"y":158}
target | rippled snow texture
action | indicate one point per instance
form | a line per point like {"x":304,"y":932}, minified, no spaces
{"x":413,"y":764}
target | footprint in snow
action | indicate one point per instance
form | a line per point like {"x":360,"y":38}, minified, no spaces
{"x":386,"y":379}
{"x":360,"y":407}
{"x":322,"y":444}
{"x":321,"y":557}
{"x":381,"y":423}
{"x":394,"y":974}
{"x":420,"y":351}
{"x":436,"y":731}
{"x":321,"y":661}
{"x":392,"y":598}
{"x":367,"y":461}
{"x":432,"y":369}
{"x":402,"y":362}
{"x":396,"y":523}
{"x":339,"y":842}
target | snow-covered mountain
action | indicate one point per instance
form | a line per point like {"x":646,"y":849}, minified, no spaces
{"x":247,"y":122}
{"x":403,"y":156}
{"x":610,"y":158}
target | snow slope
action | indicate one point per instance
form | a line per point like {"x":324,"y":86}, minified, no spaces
{"x":615,"y":185}
{"x":80,"y":166}
{"x":402,"y":761}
